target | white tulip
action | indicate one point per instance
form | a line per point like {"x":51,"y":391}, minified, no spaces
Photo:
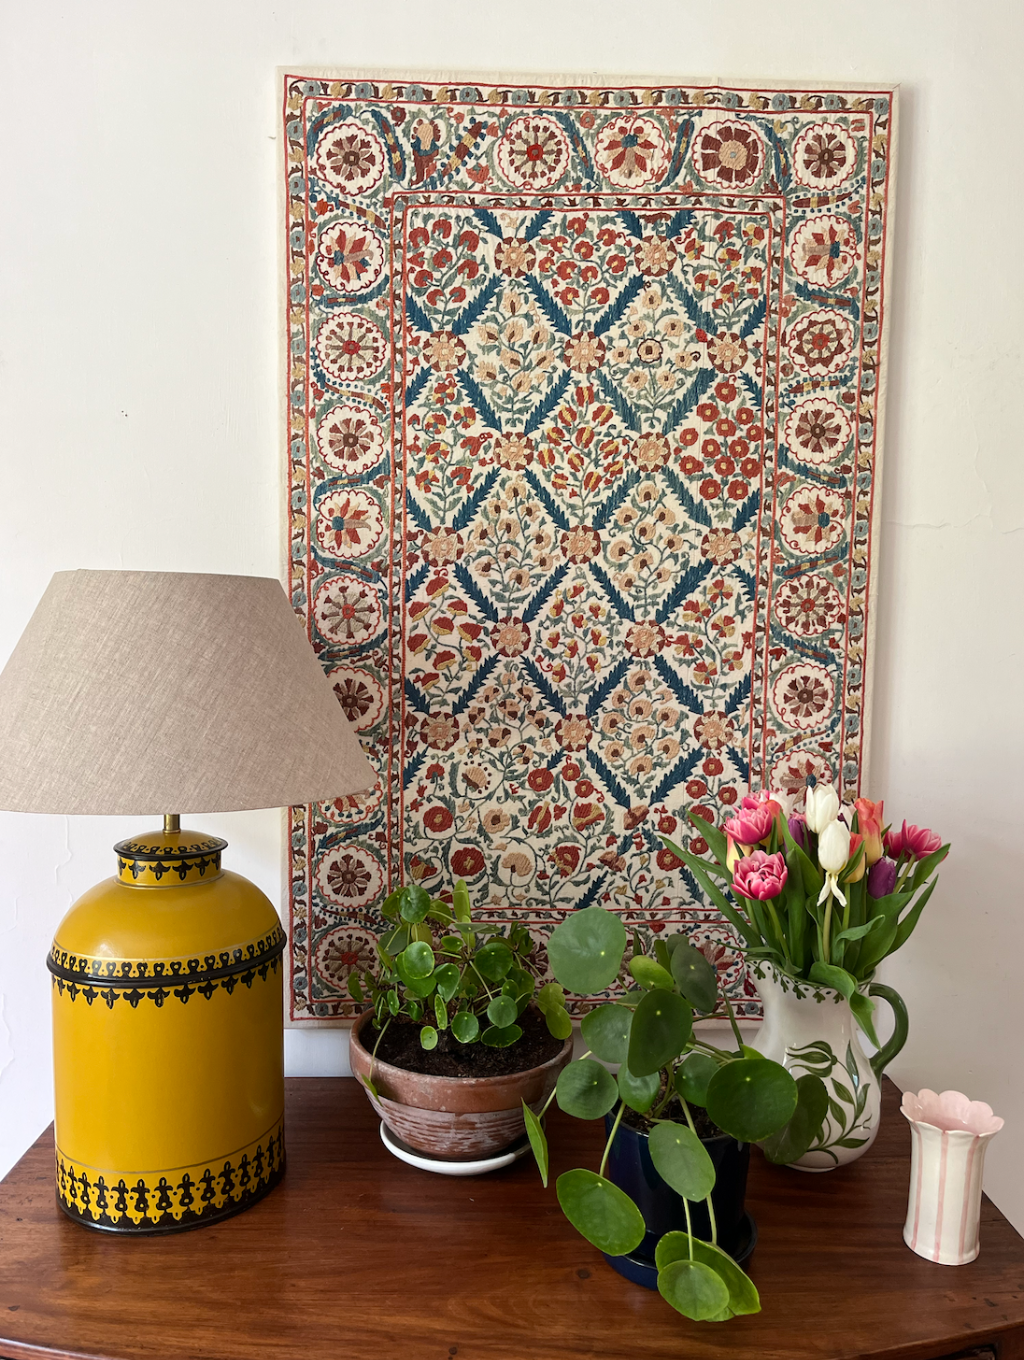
{"x":834,"y":847}
{"x":821,"y":806}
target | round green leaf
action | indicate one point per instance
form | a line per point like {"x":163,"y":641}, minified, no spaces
{"x":465,"y":1027}
{"x":682,"y":1160}
{"x":751,"y":1098}
{"x":792,"y":1141}
{"x":493,"y":960}
{"x":696,"y":978}
{"x":639,"y":1093}
{"x":451,"y":944}
{"x":586,"y":950}
{"x":551,"y":997}
{"x":586,"y":1089}
{"x":420,"y":986}
{"x":428,"y":1037}
{"x":446,"y":979}
{"x":413,"y":902}
{"x":743,"y":1297}
{"x":558,"y":1022}
{"x":355,"y":987}
{"x":502,"y":1011}
{"x":422,"y":932}
{"x":649,"y":973}
{"x":693,"y":1289}
{"x":498,"y":1037}
{"x":662,"y":1024}
{"x":440,"y":1011}
{"x":693,"y":1077}
{"x":606,"y":1032}
{"x":604,"y":1214}
{"x":416,"y":961}
{"x":394,"y":941}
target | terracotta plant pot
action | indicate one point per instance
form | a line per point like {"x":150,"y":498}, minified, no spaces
{"x":456,"y":1118}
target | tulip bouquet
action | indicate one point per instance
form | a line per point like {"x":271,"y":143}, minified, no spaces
{"x":824,"y":894}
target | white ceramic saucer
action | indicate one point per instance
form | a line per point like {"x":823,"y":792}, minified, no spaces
{"x":442,"y":1167}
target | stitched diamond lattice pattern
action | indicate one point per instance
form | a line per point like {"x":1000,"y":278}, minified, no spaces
{"x":583,"y":408}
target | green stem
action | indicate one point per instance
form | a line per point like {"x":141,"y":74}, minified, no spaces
{"x":732,"y":1021}
{"x":827,"y":929}
{"x":482,"y":982}
{"x":719,"y":1052}
{"x":670,"y":1091}
{"x":689,"y":1226}
{"x":778,"y":931}
{"x":380,"y":1036}
{"x":711,"y":1207}
{"x":611,"y":1136}
{"x":714,"y":1225}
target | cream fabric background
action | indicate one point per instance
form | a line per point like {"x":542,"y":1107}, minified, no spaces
{"x":140,"y":425}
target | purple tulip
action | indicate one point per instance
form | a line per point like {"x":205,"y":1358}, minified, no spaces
{"x":881,"y":878}
{"x":798,"y":830}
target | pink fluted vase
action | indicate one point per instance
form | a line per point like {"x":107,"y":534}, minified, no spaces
{"x":947,"y":1163}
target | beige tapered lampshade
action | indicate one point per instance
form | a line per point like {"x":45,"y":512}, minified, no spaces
{"x":136,"y":692}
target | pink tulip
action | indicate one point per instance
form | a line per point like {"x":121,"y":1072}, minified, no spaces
{"x":915,"y":841}
{"x":752,"y":824}
{"x":870,"y":819}
{"x":759,"y":800}
{"x":760,"y":875}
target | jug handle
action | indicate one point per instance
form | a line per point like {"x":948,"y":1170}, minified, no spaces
{"x":888,"y":1051}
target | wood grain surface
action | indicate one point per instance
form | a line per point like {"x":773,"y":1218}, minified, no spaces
{"x":359,"y":1257}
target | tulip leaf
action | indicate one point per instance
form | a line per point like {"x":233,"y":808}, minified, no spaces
{"x":604,"y":1214}
{"x":662,"y":1025}
{"x":682,"y":1160}
{"x":692,"y":1077}
{"x":751,"y":1098}
{"x":494,"y":960}
{"x":502,"y":1011}
{"x":743,"y":1297}
{"x":413,"y":902}
{"x":699,"y":869}
{"x":715,"y":838}
{"x":857,"y":932}
{"x":538,"y":1142}
{"x":465,"y":1027}
{"x":648,"y":973}
{"x":695,"y":977}
{"x":906,"y":926}
{"x":694,"y":1289}
{"x":864,"y":1012}
{"x":585,"y":951}
{"x":586,"y":1090}
{"x":639,"y":1093}
{"x":831,"y":976}
{"x":794,"y":1139}
{"x":927,"y":866}
{"x":606,"y":1032}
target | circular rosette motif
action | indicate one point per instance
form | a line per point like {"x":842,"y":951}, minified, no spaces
{"x":650,"y":452}
{"x":340,"y":953}
{"x":573,"y":732}
{"x":824,"y":249}
{"x":347,"y":609}
{"x":466,"y":861}
{"x":360,"y":695}
{"x":514,"y":258}
{"x":350,"y":347}
{"x":820,"y":342}
{"x":721,"y":546}
{"x":715,"y":730}
{"x":533,"y":152}
{"x":632,"y":150}
{"x":727,"y":352}
{"x":350,"y":439}
{"x":348,"y":524}
{"x":349,"y":256}
{"x":655,"y":256}
{"x":729,"y":153}
{"x":580,"y":544}
{"x":439,"y":731}
{"x":350,"y":157}
{"x":824,"y":155}
{"x":808,"y":606}
{"x":645,"y":638}
{"x":349,"y":876}
{"x":353,"y":808}
{"x":795,"y":771}
{"x":513,"y":451}
{"x":442,"y":547}
{"x":510,"y":637}
{"x":803,"y":695}
{"x":813,"y":519}
{"x":438,"y":821}
{"x":584,"y":352}
{"x":444,"y":351}
{"x":817,"y":431}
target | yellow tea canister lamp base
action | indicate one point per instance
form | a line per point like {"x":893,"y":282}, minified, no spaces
{"x":168,"y":1041}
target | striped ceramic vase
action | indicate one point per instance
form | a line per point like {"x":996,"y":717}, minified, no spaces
{"x":950,"y":1135}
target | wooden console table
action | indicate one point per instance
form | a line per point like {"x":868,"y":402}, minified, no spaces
{"x":358,"y":1257}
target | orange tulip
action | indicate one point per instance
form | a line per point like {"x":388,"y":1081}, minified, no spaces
{"x":870,"y":821}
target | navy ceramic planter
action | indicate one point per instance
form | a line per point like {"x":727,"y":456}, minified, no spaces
{"x":630,"y":1167}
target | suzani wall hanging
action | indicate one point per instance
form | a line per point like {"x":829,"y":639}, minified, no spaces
{"x":584,"y":389}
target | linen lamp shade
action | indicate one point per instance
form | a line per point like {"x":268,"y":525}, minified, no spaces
{"x":151,"y":692}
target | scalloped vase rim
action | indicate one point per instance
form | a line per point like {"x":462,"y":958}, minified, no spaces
{"x":950,"y":1112}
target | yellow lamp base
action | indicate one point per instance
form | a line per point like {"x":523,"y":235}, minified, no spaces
{"x":168,"y":1041}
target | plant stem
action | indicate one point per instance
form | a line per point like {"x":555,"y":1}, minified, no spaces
{"x":714,"y":1224}
{"x":611,"y":1136}
{"x":826,"y":930}
{"x":703,"y":1043}
{"x":482,"y":982}
{"x":380,"y":1036}
{"x":732,"y":1021}
{"x":670,"y":1091}
{"x":689,"y":1226}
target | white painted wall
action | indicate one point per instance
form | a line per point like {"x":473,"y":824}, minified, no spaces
{"x":138,"y":389}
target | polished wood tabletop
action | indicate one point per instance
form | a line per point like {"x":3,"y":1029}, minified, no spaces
{"x":359,"y":1257}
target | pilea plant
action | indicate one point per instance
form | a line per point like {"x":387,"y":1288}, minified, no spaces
{"x":664,"y":1068}
{"x":439,"y":969}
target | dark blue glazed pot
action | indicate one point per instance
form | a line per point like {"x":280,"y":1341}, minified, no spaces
{"x":630,"y":1167}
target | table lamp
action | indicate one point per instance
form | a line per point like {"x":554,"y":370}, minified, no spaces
{"x":137,"y":693}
